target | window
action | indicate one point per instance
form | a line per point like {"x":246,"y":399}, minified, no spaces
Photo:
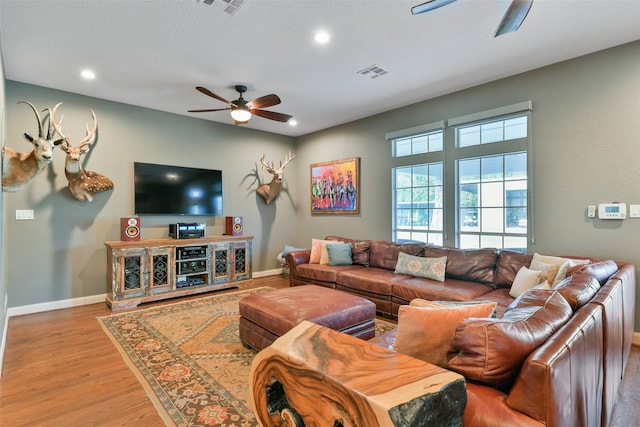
{"x":470,"y":185}
{"x":418,"y":203}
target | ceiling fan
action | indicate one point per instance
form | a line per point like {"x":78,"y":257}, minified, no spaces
{"x":511,"y":20}
{"x":242,"y":110}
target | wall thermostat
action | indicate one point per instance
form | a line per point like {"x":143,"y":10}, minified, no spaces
{"x":612,"y":210}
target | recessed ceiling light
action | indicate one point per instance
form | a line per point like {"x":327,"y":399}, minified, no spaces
{"x":293,"y":122}
{"x":88,"y":74}
{"x":321,"y":37}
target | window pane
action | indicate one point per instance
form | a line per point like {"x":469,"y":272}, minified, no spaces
{"x":491,"y":132}
{"x":515,"y":166}
{"x":435,"y":142}
{"x":435,"y":239}
{"x":469,"y":195}
{"x":402,"y":147}
{"x":468,"y":136}
{"x":469,"y":170}
{"x":492,"y":194}
{"x":491,"y":241}
{"x":492,"y":168}
{"x":515,"y":128}
{"x":469,"y":219}
{"x":518,"y":244}
{"x":492,"y":220}
{"x":469,"y":241}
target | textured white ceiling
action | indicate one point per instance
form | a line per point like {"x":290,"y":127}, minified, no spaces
{"x":152,"y":53}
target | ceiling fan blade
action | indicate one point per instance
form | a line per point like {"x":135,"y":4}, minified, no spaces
{"x":211,"y":94}
{"x":513,"y":17}
{"x":264,"y":101}
{"x":271,"y":115}
{"x":430,"y":5}
{"x":206,"y":111}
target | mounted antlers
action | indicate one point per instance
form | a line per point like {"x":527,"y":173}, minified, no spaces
{"x":82,"y":184}
{"x":20,"y":168}
{"x":271,"y":190}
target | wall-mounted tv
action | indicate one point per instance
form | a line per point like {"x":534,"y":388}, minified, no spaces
{"x":176,"y":190}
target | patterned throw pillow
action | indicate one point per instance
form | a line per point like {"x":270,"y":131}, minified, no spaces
{"x":430,"y":268}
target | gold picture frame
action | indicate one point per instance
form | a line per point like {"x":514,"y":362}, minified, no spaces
{"x":335,"y":187}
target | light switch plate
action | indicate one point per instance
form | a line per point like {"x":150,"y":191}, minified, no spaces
{"x":24,"y":214}
{"x":634,"y":211}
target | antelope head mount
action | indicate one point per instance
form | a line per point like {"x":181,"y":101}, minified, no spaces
{"x":83,"y":184}
{"x":271,"y":190}
{"x":20,"y":168}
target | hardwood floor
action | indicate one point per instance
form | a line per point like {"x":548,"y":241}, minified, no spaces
{"x":60,"y":369}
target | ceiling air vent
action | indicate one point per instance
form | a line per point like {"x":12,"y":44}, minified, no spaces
{"x":229,"y":6}
{"x":373,"y":71}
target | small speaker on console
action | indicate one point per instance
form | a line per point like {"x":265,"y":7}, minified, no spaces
{"x":234,"y":226}
{"x":129,"y":229}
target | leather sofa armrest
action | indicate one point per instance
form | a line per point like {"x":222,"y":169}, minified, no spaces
{"x":296,"y":258}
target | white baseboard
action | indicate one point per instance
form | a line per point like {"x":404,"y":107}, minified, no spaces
{"x":93,"y":299}
{"x":3,"y":343}
{"x":55,"y":305}
{"x":266,"y":273}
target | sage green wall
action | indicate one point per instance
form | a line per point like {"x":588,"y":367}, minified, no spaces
{"x":3,"y":275}
{"x":60,"y":254}
{"x":586,"y":150}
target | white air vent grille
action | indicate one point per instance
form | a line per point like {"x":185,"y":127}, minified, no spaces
{"x":373,"y":71}
{"x":228,"y":6}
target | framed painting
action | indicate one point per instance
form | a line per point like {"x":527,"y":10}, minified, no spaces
{"x":335,"y":187}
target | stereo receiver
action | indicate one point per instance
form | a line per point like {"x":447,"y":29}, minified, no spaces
{"x":191,"y":252}
{"x":183,"y":230}
{"x":190,"y":267}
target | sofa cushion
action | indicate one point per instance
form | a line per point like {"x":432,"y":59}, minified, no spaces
{"x":369,"y":280}
{"x":578,"y":289}
{"x":601,"y":270}
{"x":473,"y":265}
{"x":491,"y":351}
{"x":315,"y":273}
{"x":431,"y":268}
{"x":406,"y":289}
{"x":359,"y":248}
{"x":339,"y":253}
{"x":508,"y":265}
{"x":425,"y":331}
{"x":384,"y":254}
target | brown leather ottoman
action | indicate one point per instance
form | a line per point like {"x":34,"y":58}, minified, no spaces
{"x":265,"y":317}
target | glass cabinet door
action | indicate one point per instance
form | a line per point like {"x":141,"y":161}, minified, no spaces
{"x":161,"y":270}
{"x":241,"y":260}
{"x":220,"y":260}
{"x":130,"y":265}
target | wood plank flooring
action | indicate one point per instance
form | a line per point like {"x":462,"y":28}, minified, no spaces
{"x":60,"y":369}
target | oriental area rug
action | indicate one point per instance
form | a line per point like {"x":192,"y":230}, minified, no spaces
{"x":189,"y":359}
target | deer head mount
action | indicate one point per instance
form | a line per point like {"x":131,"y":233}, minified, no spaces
{"x":20,"y":168}
{"x":271,"y":190}
{"x":83,"y":184}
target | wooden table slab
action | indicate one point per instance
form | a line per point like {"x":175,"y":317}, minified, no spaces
{"x":315,"y":376}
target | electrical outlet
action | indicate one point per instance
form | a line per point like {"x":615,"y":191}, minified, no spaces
{"x":24,"y":214}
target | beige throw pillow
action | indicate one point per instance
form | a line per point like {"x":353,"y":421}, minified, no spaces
{"x":525,"y":279}
{"x":319,"y":254}
{"x":417,"y":266}
{"x":553,"y":268}
{"x":426,"y":333}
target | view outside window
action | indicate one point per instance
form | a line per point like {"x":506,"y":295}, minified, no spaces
{"x":475,"y":190}
{"x":419,"y":203}
{"x":492,"y":202}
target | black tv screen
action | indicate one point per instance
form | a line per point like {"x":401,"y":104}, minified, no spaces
{"x":176,"y":190}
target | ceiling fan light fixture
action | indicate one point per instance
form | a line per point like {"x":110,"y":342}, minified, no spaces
{"x":429,"y":5}
{"x":241,"y":114}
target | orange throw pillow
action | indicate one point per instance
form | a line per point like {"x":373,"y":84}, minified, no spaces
{"x":426,"y":333}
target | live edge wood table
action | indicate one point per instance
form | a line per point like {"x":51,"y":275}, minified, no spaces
{"x":315,"y":376}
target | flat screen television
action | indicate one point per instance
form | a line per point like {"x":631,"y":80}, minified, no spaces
{"x":176,"y":190}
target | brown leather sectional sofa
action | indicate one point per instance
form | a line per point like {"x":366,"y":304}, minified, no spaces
{"x":567,"y":347}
